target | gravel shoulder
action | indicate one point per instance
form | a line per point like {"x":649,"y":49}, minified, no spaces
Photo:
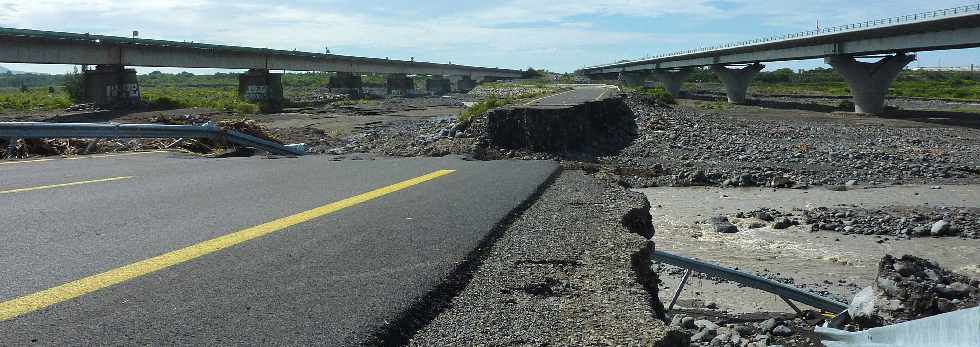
{"x":560,"y":275}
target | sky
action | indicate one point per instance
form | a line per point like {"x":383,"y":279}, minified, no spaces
{"x":560,"y":36}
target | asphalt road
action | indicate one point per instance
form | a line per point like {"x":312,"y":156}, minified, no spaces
{"x":578,"y":95}
{"x":77,"y":235}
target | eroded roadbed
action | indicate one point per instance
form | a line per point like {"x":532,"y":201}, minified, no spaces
{"x":562,"y":274}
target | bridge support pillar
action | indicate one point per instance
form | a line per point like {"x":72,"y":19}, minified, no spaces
{"x":399,"y":84}
{"x":261,"y":86}
{"x":438,"y":85}
{"x":736,"y":80}
{"x":869,"y":82}
{"x":633,"y":78}
{"x":672,"y":80}
{"x":347,"y":83}
{"x":463,"y":84}
{"x":111,"y":85}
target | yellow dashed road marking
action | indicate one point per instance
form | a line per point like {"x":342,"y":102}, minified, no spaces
{"x":77,"y":158}
{"x":62,"y":185}
{"x":71,"y":290}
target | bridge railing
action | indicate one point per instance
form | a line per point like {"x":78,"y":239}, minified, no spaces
{"x":885,"y":22}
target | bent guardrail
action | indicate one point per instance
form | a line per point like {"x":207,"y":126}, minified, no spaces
{"x":38,"y":130}
{"x":783,"y":291}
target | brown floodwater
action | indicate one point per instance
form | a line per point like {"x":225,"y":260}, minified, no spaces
{"x":839,"y":264}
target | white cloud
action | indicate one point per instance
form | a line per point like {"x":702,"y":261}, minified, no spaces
{"x":555,"y":34}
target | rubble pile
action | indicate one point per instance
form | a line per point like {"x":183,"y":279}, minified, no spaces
{"x":904,"y":222}
{"x":250,"y":127}
{"x":715,"y":329}
{"x":897,"y":221}
{"x":909,"y":288}
{"x":684,"y":147}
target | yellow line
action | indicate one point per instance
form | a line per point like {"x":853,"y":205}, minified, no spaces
{"x":24,"y":161}
{"x":62,"y":185}
{"x":77,"y":158}
{"x":71,"y":290}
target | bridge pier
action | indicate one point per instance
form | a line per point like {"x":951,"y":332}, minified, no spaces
{"x":111,"y":85}
{"x":736,"y":80}
{"x":438,"y":85}
{"x":346,"y":82}
{"x":261,"y":86}
{"x":463,"y":84}
{"x":869,"y":82}
{"x":399,"y":84}
{"x":672,"y":80}
{"x":633,"y":78}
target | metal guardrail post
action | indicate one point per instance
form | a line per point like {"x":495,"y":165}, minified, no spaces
{"x":11,"y":147}
{"x":680,"y":288}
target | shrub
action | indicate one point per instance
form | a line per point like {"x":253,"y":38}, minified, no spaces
{"x":74,"y":84}
{"x":661,"y":96}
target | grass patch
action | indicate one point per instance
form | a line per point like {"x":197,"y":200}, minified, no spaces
{"x":39,"y":99}
{"x":712,"y":105}
{"x":660,"y":96}
{"x":352,"y":102}
{"x":482,"y":107}
{"x":218,"y":98}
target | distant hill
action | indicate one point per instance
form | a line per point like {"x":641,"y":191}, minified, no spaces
{"x":4,"y":71}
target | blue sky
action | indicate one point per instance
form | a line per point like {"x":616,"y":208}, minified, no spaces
{"x":556,"y":35}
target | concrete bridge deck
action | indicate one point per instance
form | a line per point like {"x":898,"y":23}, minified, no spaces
{"x":953,"y":28}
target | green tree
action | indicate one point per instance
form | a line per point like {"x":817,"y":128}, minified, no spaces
{"x":74,"y":84}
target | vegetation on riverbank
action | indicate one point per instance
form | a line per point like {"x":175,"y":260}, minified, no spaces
{"x":948,"y":85}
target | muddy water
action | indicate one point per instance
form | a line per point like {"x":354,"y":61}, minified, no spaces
{"x":822,"y":261}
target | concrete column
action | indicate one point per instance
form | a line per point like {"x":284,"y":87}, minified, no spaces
{"x":491,"y":79}
{"x":736,"y":80}
{"x":399,"y":84}
{"x":672,"y":80}
{"x":111,"y":85}
{"x":869,"y":82}
{"x":261,"y":86}
{"x":463,"y":84}
{"x":347,"y":83}
{"x":634,"y":78}
{"x":438,"y":85}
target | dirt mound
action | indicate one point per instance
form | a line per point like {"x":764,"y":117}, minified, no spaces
{"x":909,"y":288}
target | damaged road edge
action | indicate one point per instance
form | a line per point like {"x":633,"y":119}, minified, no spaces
{"x":400,"y":331}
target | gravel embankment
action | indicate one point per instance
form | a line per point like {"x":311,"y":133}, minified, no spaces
{"x":684,"y":147}
{"x":560,"y":275}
